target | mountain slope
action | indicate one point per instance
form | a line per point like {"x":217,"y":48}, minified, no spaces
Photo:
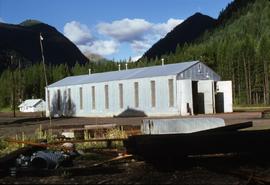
{"x":186,"y":32}
{"x":237,"y":49}
{"x":24,"y":39}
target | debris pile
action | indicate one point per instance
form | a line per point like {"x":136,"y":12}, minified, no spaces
{"x":32,"y":158}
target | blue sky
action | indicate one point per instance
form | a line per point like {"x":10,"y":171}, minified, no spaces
{"x":115,"y":29}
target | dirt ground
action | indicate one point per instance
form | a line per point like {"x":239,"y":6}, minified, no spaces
{"x":29,"y":123}
{"x":225,"y":170}
{"x":214,"y":171}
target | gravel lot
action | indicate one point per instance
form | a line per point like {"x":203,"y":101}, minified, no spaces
{"x":215,"y":170}
{"x":28,"y":123}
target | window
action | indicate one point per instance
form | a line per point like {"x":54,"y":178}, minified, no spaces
{"x":171,"y":97}
{"x":58,"y":99}
{"x":153,"y":93}
{"x":136,"y":94}
{"x":81,"y":98}
{"x":121,"y":102}
{"x":49,"y":101}
{"x":64,"y":97}
{"x":106,"y":88}
{"x":93,"y":98}
{"x":199,"y":68}
{"x":69,"y":99}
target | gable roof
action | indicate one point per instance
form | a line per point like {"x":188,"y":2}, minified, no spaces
{"x":165,"y":70}
{"x":30,"y":102}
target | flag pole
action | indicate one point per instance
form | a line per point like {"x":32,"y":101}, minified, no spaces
{"x":45,"y":75}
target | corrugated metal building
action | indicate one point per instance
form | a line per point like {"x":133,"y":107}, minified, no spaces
{"x":166,"y":90}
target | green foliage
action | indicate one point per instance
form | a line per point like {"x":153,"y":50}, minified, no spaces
{"x":3,"y":144}
{"x":6,"y":147}
{"x":30,"y":22}
{"x":237,"y":49}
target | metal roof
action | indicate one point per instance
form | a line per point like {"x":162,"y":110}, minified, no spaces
{"x":30,"y":102}
{"x":153,"y":71}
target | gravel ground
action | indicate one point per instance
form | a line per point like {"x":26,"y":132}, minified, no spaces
{"x":217,"y":170}
{"x":28,"y":123}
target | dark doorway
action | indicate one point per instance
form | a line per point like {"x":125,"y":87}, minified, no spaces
{"x":219,"y":99}
{"x":198,"y":99}
{"x":195,"y":96}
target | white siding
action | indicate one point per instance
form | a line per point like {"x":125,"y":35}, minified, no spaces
{"x":206,"y":88}
{"x":162,"y":102}
{"x":199,"y":71}
{"x":152,"y":103}
{"x":184,"y":97}
{"x":225,"y":87}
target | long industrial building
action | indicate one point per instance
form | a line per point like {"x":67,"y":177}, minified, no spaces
{"x":178,"y":89}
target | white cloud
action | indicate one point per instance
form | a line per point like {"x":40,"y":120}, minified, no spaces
{"x":163,"y":28}
{"x":138,"y":33}
{"x":77,"y":32}
{"x":125,"y":29}
{"x":135,"y":58}
{"x":2,"y":20}
{"x":140,"y":46}
{"x":100,"y":47}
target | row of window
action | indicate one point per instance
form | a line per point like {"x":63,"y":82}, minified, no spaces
{"x":121,"y":98}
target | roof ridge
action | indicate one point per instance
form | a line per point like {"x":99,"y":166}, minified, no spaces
{"x":134,"y":73}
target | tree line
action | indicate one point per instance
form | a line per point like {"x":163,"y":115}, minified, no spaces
{"x":238,"y":50}
{"x":20,"y":82}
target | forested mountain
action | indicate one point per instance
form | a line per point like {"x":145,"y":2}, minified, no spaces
{"x":186,"y":32}
{"x":23,"y":40}
{"x":238,"y":48}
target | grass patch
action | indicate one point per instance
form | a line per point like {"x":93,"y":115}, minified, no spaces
{"x":6,"y":109}
{"x":6,"y":147}
{"x":250,"y":108}
{"x":114,"y":133}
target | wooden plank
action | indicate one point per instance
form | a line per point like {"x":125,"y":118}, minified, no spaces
{"x":100,"y":126}
{"x":88,"y":140}
{"x":228,"y":128}
{"x":177,"y":145}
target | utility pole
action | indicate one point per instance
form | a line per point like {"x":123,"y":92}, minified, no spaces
{"x":43,"y":59}
{"x":45,"y":75}
{"x":13,"y":85}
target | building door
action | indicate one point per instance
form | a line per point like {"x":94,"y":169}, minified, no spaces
{"x":198,"y":99}
{"x":206,"y":101}
{"x":219,"y":99}
{"x":224,"y":96}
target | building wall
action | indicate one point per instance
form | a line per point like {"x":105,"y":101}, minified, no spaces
{"x":198,"y":72}
{"x":206,"y":87}
{"x":184,"y":97}
{"x":38,"y":108}
{"x":225,"y":88}
{"x":162,"y":106}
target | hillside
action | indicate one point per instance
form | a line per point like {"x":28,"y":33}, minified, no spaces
{"x":237,"y":48}
{"x":186,"y":32}
{"x":23,"y":39}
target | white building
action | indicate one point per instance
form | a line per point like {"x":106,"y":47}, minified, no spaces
{"x":33,"y":105}
{"x":166,"y":90}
